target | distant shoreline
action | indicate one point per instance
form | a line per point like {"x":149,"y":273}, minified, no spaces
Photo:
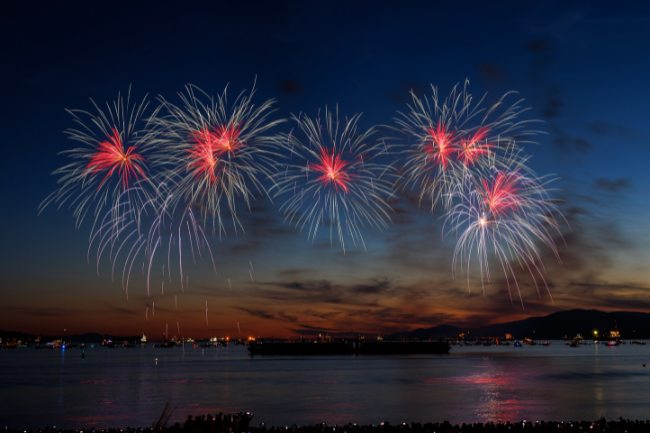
{"x":632,"y":326}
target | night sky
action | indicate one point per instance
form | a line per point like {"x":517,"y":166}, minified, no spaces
{"x":580,"y":66}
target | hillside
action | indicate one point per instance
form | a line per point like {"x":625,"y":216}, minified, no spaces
{"x":632,"y":325}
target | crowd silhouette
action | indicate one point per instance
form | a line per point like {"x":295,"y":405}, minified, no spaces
{"x":240,"y":423}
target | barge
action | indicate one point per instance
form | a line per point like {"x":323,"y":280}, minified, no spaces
{"x":356,"y":346}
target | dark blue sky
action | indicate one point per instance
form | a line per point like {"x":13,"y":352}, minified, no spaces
{"x":580,"y":66}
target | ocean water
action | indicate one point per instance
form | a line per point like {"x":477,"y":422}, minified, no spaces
{"x":126,"y":387}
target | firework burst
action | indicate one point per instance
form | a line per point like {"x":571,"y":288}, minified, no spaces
{"x":454,"y":140}
{"x":204,"y":155}
{"x":211,"y":155}
{"x":111,"y":161}
{"x":333,"y":177}
{"x":508,"y":213}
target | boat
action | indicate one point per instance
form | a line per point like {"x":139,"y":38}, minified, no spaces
{"x":219,"y":341}
{"x":56,"y":344}
{"x":614,"y":337}
{"x":346,"y":347}
{"x":165,"y":345}
{"x":109,"y":343}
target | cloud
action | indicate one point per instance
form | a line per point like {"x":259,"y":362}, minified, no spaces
{"x":328,"y":315}
{"x":614,"y":185}
{"x":573,"y":144}
{"x":377,"y":286}
{"x":397,"y":97}
{"x":623,"y":296}
{"x":263,"y":225}
{"x":258,"y":313}
{"x":313,"y":330}
{"x":399,"y":317}
{"x":294,"y":272}
{"x":290,"y":87}
{"x":322,"y":286}
{"x":537,"y":46}
{"x":492,"y":73}
{"x":603,"y":127}
{"x":553,"y":103}
{"x":403,"y":95}
{"x":345,"y":297}
{"x":284,"y":317}
{"x":41,"y":312}
{"x":120,"y":310}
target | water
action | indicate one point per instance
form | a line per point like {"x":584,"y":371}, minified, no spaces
{"x":125,"y":387}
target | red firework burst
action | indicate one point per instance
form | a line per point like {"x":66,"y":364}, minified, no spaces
{"x":472,"y":147}
{"x":227,"y":139}
{"x":442,"y":145}
{"x":204,"y":154}
{"x":209,"y":146}
{"x":111,"y":156}
{"x":333,"y":169}
{"x":503,"y":194}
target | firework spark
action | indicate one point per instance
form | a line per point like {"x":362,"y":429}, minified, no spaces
{"x":212,"y":155}
{"x":454,"y":141}
{"x":350,"y":184}
{"x":205,"y":154}
{"x":191,"y":166}
{"x":508,"y":213}
{"x":122,"y":231}
{"x":110,"y":161}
